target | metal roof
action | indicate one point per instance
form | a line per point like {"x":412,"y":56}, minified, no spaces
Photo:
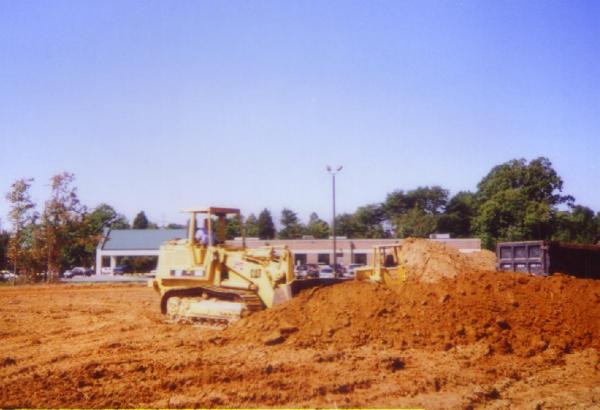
{"x":140,"y":239}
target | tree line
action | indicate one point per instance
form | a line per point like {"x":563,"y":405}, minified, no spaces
{"x":63,"y":234}
{"x":263,"y":226}
{"x":516,"y":200}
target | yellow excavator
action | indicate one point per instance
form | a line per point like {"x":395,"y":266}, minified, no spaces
{"x":203,"y":279}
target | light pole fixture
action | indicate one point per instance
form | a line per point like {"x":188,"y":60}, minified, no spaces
{"x":333,"y":173}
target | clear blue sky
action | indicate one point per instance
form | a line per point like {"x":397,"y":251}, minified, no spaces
{"x":164,"y":105}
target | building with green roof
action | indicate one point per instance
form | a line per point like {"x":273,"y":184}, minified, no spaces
{"x":132,"y":242}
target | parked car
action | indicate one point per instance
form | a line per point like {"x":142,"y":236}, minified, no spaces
{"x":312,"y":270}
{"x":301,"y":271}
{"x":78,"y":271}
{"x":120,"y":270}
{"x":327,"y":273}
{"x":107,"y":270}
{"x":350,"y":271}
{"x":7,"y":275}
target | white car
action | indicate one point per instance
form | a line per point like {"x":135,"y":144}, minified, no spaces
{"x":7,"y":275}
{"x":326,"y":273}
{"x":351,"y":267}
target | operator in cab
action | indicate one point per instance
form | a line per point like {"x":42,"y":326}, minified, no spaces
{"x":202,"y":235}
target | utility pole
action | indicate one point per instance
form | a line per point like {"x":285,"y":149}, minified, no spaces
{"x":333,"y":173}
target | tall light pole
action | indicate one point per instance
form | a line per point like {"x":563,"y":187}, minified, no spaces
{"x":333,"y":172}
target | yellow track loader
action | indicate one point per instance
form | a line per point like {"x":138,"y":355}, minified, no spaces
{"x":203,"y":279}
{"x":387,"y":266}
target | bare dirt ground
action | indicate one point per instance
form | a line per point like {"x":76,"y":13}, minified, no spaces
{"x":480,"y":339}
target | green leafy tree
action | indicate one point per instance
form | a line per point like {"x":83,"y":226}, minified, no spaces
{"x":120,"y":223}
{"x":577,"y":225}
{"x":233,"y":227}
{"x":317,"y":228}
{"x":345,"y":225}
{"x":105,"y":216}
{"x":456,"y":220}
{"x":36,"y":260}
{"x":84,"y":238}
{"x":415,"y":212}
{"x":291,"y":226}
{"x":518,"y":201}
{"x":266,"y":227}
{"x":62,"y":218}
{"x":141,"y":221}
{"x":251,"y":226}
{"x":415,"y":223}
{"x":366,"y":222}
{"x":89,"y":231}
{"x":396,"y":204}
{"x":431,"y":200}
{"x":21,"y":215}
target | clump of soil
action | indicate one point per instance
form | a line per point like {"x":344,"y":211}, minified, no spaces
{"x":429,"y":261}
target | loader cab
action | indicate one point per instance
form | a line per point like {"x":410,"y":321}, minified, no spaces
{"x":386,"y":257}
{"x":388,"y":264}
{"x":206,"y":227}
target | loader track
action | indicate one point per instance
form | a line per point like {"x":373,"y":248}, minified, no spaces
{"x":250,"y":300}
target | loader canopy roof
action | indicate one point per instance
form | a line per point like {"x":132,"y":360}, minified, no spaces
{"x":213,"y":210}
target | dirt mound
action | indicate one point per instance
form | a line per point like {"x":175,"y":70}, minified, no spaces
{"x":481,"y":260}
{"x":505,"y":313}
{"x":428,"y":261}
